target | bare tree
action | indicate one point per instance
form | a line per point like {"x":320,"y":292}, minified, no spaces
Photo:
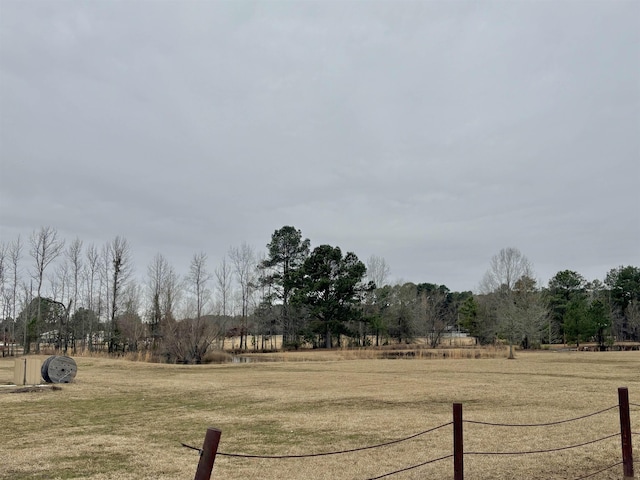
{"x":223,"y":282}
{"x":74,"y":257}
{"x":163,"y":292}
{"x":377,"y":275}
{"x":4,"y":250}
{"x":45,"y":248}
{"x":130,"y":326}
{"x":60,"y":293}
{"x":69,"y":276}
{"x":91,"y":274}
{"x":5,"y":298}
{"x":224,"y":278}
{"x":197,"y":282}
{"x":15,"y":254}
{"x":103,"y":304}
{"x":506,"y":269}
{"x":527,"y":297}
{"x":119,"y":269}
{"x":377,"y":270}
{"x":436,"y":311}
{"x":188,"y":340}
{"x":172,"y":294}
{"x":243,"y":260}
{"x":156,"y":273}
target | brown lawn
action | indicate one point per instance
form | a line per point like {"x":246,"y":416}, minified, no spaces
{"x":125,"y":420}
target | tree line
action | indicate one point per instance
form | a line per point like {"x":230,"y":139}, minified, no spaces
{"x":72,"y":296}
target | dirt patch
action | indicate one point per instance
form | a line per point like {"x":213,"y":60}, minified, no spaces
{"x":42,"y":389}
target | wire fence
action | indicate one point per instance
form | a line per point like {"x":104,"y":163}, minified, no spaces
{"x":208,"y":452}
{"x":338,"y":452}
{"x":547,"y":424}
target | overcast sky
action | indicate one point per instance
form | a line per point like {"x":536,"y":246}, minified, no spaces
{"x":431,"y":134}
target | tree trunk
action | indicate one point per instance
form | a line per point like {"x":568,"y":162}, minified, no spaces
{"x":327,"y":338}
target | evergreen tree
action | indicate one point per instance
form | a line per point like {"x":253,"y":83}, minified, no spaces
{"x":328,"y":288}
{"x":287,"y":252}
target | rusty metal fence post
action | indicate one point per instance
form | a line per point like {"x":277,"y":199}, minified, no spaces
{"x":458,"y":450}
{"x":208,"y":454}
{"x":625,"y":433}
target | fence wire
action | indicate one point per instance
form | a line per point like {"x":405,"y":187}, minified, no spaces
{"x":547,"y":424}
{"x":406,"y":469}
{"x":599,"y":471}
{"x":548,"y":450}
{"x":324,"y":454}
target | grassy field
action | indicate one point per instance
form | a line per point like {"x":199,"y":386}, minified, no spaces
{"x":126,"y":420}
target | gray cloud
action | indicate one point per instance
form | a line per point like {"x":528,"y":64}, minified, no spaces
{"x":430,"y":133}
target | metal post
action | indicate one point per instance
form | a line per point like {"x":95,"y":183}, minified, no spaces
{"x":208,"y":454}
{"x":458,"y":451}
{"x":625,"y":433}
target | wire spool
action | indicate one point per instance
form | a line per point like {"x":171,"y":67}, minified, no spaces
{"x":44,"y":370}
{"x":59,"y":369}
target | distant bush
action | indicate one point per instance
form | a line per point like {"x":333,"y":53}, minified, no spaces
{"x":217,"y":356}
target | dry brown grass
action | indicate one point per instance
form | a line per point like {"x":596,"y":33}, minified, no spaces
{"x":125,"y":420}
